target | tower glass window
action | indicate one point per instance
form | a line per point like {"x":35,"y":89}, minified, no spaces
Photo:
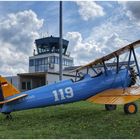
{"x":48,"y":50}
{"x":31,"y":62}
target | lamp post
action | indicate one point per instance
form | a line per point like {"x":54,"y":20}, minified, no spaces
{"x":60,"y":41}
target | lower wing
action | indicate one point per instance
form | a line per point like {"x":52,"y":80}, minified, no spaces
{"x":116,"y":96}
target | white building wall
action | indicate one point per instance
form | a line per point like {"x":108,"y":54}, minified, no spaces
{"x":53,"y":78}
{"x":13,"y":80}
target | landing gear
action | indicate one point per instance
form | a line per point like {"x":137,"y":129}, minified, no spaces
{"x":110,"y":107}
{"x":130,"y":108}
{"x":8,"y":116}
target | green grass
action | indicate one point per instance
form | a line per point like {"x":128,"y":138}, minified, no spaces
{"x":77,"y":120}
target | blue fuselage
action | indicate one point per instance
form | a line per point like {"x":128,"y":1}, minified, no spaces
{"x":68,"y":91}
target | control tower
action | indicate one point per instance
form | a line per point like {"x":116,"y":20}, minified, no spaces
{"x":46,"y":57}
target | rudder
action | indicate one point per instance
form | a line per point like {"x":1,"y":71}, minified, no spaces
{"x":6,"y":89}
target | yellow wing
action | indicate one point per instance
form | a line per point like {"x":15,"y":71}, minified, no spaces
{"x":116,"y":96}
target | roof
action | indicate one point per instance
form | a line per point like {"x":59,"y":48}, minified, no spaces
{"x":32,"y":74}
{"x":50,"y":39}
{"x":42,"y":74}
{"x":71,"y":68}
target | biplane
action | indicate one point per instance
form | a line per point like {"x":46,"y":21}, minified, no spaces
{"x":110,"y":85}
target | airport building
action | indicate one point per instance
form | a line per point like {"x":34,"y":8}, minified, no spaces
{"x":47,"y":57}
{"x":44,"y":65}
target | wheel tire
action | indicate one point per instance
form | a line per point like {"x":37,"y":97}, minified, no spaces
{"x":130,"y":108}
{"x":110,"y":107}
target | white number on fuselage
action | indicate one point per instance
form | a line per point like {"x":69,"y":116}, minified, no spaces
{"x":63,"y":94}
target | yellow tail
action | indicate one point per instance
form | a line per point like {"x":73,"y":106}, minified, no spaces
{"x":7,"y":89}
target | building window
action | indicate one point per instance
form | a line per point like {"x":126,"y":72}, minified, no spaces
{"x":28,"y":85}
{"x":31,"y":62}
{"x":23,"y":85}
{"x":39,"y":62}
{"x":45,"y":60}
{"x":36,"y":68}
{"x":36,"y":61}
{"x":52,"y":59}
{"x":42,"y":61}
{"x":45,"y":68}
{"x":68,"y":62}
{"x":56,"y":60}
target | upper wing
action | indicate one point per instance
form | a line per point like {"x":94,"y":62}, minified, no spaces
{"x":116,"y":96}
{"x":111,"y":55}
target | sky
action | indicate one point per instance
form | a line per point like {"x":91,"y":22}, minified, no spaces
{"x":93,"y":28}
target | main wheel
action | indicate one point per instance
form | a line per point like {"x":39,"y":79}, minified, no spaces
{"x":130,"y":108}
{"x":110,"y":107}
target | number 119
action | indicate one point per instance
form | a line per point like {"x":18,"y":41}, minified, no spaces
{"x":59,"y":95}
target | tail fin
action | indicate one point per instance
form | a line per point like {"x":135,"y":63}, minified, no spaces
{"x":6,"y":89}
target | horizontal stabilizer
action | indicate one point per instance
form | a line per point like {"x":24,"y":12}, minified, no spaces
{"x":116,"y":96}
{"x":13,"y":99}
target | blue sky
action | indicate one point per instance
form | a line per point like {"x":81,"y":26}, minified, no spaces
{"x":49,"y":11}
{"x":93,"y":28}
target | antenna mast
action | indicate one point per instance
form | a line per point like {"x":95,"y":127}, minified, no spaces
{"x":60,"y":41}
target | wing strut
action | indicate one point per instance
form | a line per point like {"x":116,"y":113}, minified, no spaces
{"x":76,"y":75}
{"x":94,"y":70}
{"x":128,"y":66}
{"x":87,"y":70}
{"x":104,"y":67}
{"x":136,"y":62}
{"x":117,"y":64}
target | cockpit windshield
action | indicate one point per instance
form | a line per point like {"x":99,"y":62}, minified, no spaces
{"x":91,"y":73}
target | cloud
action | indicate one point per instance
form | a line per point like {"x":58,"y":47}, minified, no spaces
{"x":89,"y":10}
{"x":17,"y":34}
{"x":87,"y":50}
{"x":132,"y":9}
{"x":80,"y":50}
{"x":116,"y":31}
